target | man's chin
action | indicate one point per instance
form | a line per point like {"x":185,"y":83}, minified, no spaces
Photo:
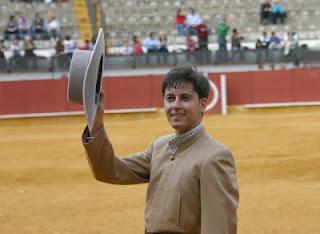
{"x":178,"y":127}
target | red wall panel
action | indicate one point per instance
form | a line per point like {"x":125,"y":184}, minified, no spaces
{"x":156,"y":95}
{"x":239,"y":88}
{"x":44,"y":96}
{"x":306,"y":85}
{"x":12,"y":97}
{"x":40,"y":96}
{"x":123,"y":93}
{"x":269,"y":86}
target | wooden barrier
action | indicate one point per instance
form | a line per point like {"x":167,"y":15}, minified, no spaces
{"x":134,"y":92}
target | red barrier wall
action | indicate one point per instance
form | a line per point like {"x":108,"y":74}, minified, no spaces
{"x":45,"y":96}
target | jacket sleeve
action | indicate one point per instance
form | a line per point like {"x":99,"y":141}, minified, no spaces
{"x":219,"y":191}
{"x":106,"y":167}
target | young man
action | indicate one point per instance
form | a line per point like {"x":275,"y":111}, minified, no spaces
{"x":192,"y":178}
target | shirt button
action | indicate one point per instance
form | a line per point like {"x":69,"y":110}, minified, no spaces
{"x":172,"y":157}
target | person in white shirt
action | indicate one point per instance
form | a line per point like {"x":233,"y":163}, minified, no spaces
{"x":53,"y":27}
{"x":290,"y":42}
{"x":69,"y":46}
{"x":152,"y":43}
{"x":192,"y":21}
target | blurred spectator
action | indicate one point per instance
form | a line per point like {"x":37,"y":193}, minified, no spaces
{"x":3,"y":48}
{"x":93,"y":41}
{"x":290,"y":42}
{"x":180,"y":23}
{"x":236,"y":39}
{"x":163,"y":43}
{"x":24,"y":26}
{"x":265,"y":12}
{"x":222,"y":31}
{"x":59,"y":55}
{"x":264,"y":40}
{"x":11,"y":29}
{"x":15,"y":48}
{"x":190,"y":43}
{"x":274,"y":41}
{"x":53,"y":27}
{"x":192,"y":21}
{"x":203,"y":34}
{"x":278,"y":12}
{"x":85,"y":45}
{"x":262,"y":45}
{"x":151,"y":43}
{"x":137,"y":48}
{"x":59,"y":47}
{"x":69,"y":46}
{"x":28,"y":46}
{"x":236,"y":47}
{"x":38,"y":27}
{"x":258,"y":44}
{"x":126,"y":49}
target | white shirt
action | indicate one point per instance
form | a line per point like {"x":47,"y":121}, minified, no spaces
{"x":193,"y":19}
{"x":151,"y":43}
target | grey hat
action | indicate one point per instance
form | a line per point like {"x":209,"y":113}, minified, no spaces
{"x":85,"y":75}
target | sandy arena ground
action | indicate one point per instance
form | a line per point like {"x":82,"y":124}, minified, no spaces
{"x":46,"y":185}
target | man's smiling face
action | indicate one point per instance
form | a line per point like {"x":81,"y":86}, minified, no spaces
{"x":183,"y":107}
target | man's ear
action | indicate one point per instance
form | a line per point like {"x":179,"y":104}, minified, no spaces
{"x":203,"y":104}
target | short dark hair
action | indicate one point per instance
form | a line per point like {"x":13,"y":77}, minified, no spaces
{"x":188,"y":74}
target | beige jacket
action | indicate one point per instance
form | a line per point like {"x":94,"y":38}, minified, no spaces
{"x":194,"y":192}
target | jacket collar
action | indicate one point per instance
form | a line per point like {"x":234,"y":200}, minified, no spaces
{"x":180,"y":141}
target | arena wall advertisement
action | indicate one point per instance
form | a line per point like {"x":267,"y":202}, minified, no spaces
{"x":256,"y":88}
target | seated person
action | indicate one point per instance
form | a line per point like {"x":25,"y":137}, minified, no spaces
{"x":290,"y":42}
{"x":265,"y":12}
{"x":29,"y":46}
{"x":69,"y":46}
{"x":191,"y":44}
{"x":151,"y":43}
{"x":3,"y":48}
{"x":163,"y":43}
{"x":275,"y":41}
{"x":203,"y":35}
{"x":192,"y":21}
{"x":264,"y":40}
{"x":126,"y":48}
{"x":53,"y":27}
{"x":236,"y":39}
{"x":16,"y":48}
{"x":278,"y":12}
{"x":24,"y":27}
{"x":136,"y":46}
{"x":180,"y":23}
{"x":38,"y":27}
{"x":11,"y":29}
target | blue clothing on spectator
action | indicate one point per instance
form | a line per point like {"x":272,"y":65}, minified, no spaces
{"x":277,"y":8}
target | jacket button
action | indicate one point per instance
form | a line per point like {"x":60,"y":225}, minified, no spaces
{"x":172,"y":157}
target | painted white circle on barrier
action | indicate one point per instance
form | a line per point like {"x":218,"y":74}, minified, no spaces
{"x":215,"y":98}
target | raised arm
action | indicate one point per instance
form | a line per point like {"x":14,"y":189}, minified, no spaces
{"x":105,"y":166}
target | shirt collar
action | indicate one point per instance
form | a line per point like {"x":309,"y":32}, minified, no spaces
{"x":179,"y":139}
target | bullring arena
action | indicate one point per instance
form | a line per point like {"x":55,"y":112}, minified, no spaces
{"x":47,"y":187}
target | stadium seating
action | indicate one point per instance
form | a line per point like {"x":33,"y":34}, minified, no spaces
{"x":62,"y":10}
{"x":124,"y":18}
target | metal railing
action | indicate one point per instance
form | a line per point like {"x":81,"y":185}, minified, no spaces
{"x":298,"y":56}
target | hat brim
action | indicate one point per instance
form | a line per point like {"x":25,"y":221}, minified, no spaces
{"x":85,"y":77}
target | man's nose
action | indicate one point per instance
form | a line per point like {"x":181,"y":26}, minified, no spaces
{"x":176,"y":103}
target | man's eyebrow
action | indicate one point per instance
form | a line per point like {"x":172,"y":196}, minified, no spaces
{"x":186,"y":94}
